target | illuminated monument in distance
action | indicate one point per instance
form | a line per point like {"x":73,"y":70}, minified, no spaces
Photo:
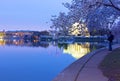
{"x":77,"y":50}
{"x":79,"y":29}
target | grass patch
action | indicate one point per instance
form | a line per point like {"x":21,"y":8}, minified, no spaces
{"x":110,"y":66}
{"x":112,"y":60}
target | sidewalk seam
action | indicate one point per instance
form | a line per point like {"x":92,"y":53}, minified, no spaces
{"x":94,"y":53}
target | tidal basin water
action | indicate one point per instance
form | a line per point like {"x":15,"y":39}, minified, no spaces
{"x":38,"y":61}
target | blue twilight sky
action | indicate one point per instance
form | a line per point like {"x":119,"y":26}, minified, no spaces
{"x":29,"y":14}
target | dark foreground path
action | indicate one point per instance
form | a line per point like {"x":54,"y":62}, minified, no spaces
{"x":87,"y":68}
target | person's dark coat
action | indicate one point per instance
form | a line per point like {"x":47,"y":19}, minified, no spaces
{"x":110,"y":38}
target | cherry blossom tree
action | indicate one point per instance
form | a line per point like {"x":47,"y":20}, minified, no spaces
{"x":96,"y":14}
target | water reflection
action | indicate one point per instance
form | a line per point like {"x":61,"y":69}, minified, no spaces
{"x":77,"y":50}
{"x":2,"y":42}
{"x":27,"y":60}
{"x":28,"y":43}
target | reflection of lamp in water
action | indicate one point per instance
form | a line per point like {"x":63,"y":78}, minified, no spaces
{"x":2,"y":42}
{"x":2,"y":34}
{"x":35,"y":41}
{"x":77,"y":51}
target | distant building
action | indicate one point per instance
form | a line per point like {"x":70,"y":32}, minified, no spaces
{"x":44,"y":33}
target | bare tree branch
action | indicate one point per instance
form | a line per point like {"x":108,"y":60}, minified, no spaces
{"x":112,"y":5}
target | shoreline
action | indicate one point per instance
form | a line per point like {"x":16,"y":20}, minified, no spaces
{"x":71,"y":73}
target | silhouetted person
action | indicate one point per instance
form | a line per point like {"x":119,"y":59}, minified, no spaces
{"x":110,"y":39}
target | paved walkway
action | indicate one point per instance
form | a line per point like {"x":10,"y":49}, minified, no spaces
{"x":86,"y":68}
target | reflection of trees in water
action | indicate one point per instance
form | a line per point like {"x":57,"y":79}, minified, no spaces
{"x":77,"y":50}
{"x":45,"y":44}
{"x":96,"y":45}
{"x":63,"y":45}
{"x":110,"y":66}
{"x":37,"y":43}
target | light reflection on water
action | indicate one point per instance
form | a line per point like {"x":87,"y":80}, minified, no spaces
{"x":77,"y":50}
{"x":22,"y":60}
